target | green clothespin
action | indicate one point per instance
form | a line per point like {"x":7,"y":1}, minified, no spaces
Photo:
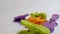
{"x":36,"y":14}
{"x":34,"y":29}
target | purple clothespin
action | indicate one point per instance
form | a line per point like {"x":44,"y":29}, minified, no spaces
{"x":52,"y":22}
{"x":19,"y":18}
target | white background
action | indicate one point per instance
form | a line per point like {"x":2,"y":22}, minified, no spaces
{"x":11,"y":8}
